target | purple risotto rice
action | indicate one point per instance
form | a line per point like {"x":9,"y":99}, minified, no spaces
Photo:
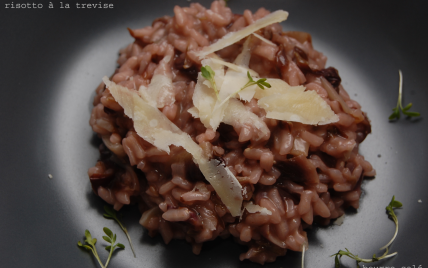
{"x":292,"y":174}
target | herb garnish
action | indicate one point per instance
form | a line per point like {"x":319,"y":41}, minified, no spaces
{"x":111,"y":214}
{"x":396,"y":111}
{"x":208,"y":74}
{"x":111,"y":238}
{"x":358,"y":259}
{"x":261,"y":83}
{"x":391,"y":214}
{"x":390,"y":210}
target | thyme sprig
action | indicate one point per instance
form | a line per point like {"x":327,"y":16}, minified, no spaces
{"x":391,"y":214}
{"x":111,"y":214}
{"x":347,"y":253}
{"x":209,"y":74}
{"x":261,"y":83}
{"x":396,"y":111}
{"x":90,"y":245}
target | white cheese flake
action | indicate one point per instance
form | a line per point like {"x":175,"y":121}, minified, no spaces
{"x":297,"y":105}
{"x":243,"y":59}
{"x":253,"y":208}
{"x":236,"y":113}
{"x":339,"y":221}
{"x":233,"y":37}
{"x":278,"y":86}
{"x":160,"y":91}
{"x":205,"y":99}
{"x":194,"y":112}
{"x":210,"y":109}
{"x":235,"y":67}
{"x":264,"y":39}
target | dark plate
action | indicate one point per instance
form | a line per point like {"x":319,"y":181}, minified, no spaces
{"x":53,"y":59}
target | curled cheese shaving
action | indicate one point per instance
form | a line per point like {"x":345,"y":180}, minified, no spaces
{"x":233,"y":37}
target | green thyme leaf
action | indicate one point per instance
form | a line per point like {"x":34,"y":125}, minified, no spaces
{"x":206,"y":72}
{"x":395,"y":114}
{"x":209,"y":74}
{"x":88,"y":236}
{"x":108,"y":232}
{"x":411,"y":114}
{"x":266,"y":84}
{"x":106,"y":238}
{"x":408,"y":106}
{"x":91,"y":246}
{"x":336,"y":261}
{"x":261,"y":82}
{"x":394,"y":203}
{"x":111,"y":213}
{"x":249,"y":76}
{"x":111,"y":238}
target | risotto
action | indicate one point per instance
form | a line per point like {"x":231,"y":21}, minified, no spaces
{"x":204,"y":159}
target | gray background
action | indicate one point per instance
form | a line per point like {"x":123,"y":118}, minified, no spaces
{"x":53,"y":59}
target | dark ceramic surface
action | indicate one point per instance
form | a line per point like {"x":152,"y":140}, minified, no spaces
{"x":53,"y":59}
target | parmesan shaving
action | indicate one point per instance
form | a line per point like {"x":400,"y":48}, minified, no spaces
{"x":243,"y":59}
{"x":211,"y":110}
{"x":278,"y":86}
{"x":160,"y":91}
{"x":235,"y":80}
{"x":248,"y":93}
{"x":205,"y":99}
{"x":252,"y":208}
{"x":236,"y":113}
{"x":194,"y":112}
{"x":264,"y":39}
{"x":339,"y":221}
{"x":154,"y":127}
{"x":234,"y":37}
{"x":235,"y":67}
{"x":297,"y":105}
{"x":224,"y":183}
